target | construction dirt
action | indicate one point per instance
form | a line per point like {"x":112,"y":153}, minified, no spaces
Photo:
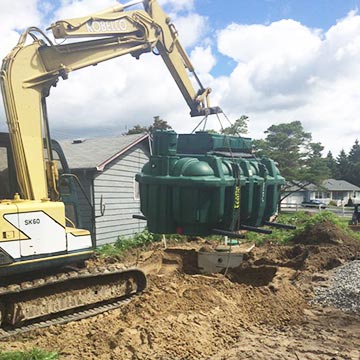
{"x":260,"y":310}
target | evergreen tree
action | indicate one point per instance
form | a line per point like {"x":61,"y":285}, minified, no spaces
{"x":137,"y":129}
{"x":343,"y":165}
{"x":332,"y":165}
{"x":353,"y":175}
{"x":288,"y":145}
{"x":316,"y":168}
{"x":240,"y":126}
{"x":354,"y":154}
{"x":158,"y":124}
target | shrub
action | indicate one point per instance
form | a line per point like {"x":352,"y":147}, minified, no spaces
{"x":123,"y":244}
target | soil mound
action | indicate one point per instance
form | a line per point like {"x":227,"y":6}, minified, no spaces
{"x":322,"y":246}
{"x":323,"y":233}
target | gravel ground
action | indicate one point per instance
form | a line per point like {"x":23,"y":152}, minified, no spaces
{"x":343,"y":291}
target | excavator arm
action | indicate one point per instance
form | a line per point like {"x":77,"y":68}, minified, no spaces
{"x":29,"y":72}
{"x":153,"y":28}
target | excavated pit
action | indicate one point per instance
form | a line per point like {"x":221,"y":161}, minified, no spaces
{"x":186,"y":259}
{"x":254,"y":275}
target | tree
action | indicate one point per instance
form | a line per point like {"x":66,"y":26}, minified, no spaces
{"x":288,"y":145}
{"x":158,"y":124}
{"x":137,"y":129}
{"x":240,"y":126}
{"x":343,"y":165}
{"x":353,"y":174}
{"x":354,"y":154}
{"x":316,"y":167}
{"x":332,"y":165}
{"x":299,"y":160}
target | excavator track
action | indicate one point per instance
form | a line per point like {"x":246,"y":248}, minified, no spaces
{"x":66,"y":297}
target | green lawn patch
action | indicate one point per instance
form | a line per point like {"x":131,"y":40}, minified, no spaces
{"x":34,"y":354}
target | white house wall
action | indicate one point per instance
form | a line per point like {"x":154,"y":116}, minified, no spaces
{"x":115,"y":186}
{"x":295,"y":198}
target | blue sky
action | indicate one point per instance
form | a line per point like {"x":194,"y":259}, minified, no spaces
{"x":313,"y":13}
{"x":272,"y":60}
{"x":320,"y":14}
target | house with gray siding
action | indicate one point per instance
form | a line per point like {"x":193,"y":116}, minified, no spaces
{"x":106,"y":168}
{"x":338,"y":192}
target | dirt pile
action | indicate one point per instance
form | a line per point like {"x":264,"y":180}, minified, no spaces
{"x":180,"y":316}
{"x":323,"y":246}
{"x":323,"y":233}
{"x":256,"y":311}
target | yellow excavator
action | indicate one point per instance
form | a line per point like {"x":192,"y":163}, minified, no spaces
{"x":36,"y":233}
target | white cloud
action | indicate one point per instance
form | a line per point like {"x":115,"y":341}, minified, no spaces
{"x":16,"y":15}
{"x":178,"y":5}
{"x":77,"y":8}
{"x":286,"y":71}
{"x":284,"y":39}
{"x":203,"y":59}
{"x":191,"y":28}
{"x":115,"y":95}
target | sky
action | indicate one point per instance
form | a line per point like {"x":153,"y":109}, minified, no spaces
{"x":275,"y":61}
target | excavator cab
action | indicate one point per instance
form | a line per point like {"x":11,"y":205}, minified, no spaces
{"x":66,"y":184}
{"x":8,"y":182}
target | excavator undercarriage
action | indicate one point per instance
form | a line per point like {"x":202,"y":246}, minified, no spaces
{"x":66,"y":296}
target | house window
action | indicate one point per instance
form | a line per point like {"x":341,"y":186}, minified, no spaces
{"x":136,"y":190}
{"x":338,"y":195}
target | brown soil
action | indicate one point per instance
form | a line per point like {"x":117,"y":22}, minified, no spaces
{"x":257,"y":311}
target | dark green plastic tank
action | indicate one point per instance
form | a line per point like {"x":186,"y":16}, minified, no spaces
{"x":204,"y":142}
{"x":195,"y":183}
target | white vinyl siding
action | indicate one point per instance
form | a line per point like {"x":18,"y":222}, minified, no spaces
{"x":116,"y":187}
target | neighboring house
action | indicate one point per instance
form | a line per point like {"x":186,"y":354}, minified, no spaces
{"x":295,"y":192}
{"x":338,"y":191}
{"x":106,"y":168}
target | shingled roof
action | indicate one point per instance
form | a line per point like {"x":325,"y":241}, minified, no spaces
{"x":339,"y":185}
{"x":294,"y":186}
{"x":97,"y":152}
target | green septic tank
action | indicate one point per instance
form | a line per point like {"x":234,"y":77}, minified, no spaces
{"x":194,"y":183}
